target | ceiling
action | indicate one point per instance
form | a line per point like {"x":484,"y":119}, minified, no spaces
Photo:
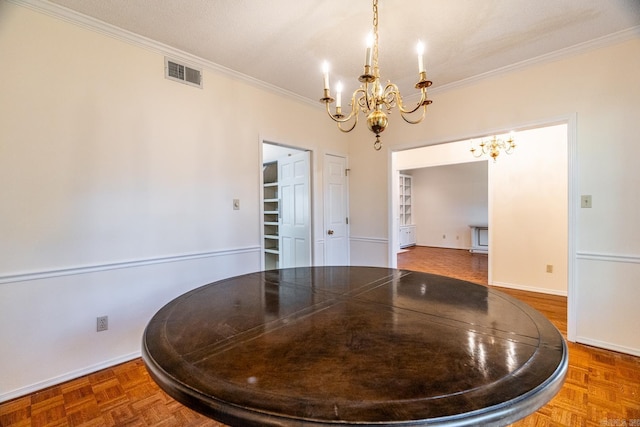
{"x":284,"y":42}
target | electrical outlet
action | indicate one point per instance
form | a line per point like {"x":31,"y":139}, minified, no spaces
{"x":585,"y":201}
{"x":549,"y":268}
{"x":102,"y":323}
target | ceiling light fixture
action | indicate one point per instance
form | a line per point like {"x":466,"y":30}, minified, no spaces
{"x":371,"y":96}
{"x":493,"y":147}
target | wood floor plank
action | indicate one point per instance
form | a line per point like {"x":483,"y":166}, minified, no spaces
{"x":602,"y":387}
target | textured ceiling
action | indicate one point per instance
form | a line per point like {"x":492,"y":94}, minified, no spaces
{"x":283,"y":42}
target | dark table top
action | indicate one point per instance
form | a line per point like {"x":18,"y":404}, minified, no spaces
{"x":354,"y":345}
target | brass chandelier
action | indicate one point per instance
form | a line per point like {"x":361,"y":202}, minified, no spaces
{"x":493,"y":147}
{"x":371,"y":96}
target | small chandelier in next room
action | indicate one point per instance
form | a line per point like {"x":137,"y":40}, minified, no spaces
{"x":493,"y":147}
{"x":371,"y":97}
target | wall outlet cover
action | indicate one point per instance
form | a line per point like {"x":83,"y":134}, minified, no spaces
{"x":102,"y":323}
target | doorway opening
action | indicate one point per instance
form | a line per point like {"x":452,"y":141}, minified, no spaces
{"x":529,"y":217}
{"x":439,"y":204}
{"x":285,"y":206}
{"x":444,"y":219}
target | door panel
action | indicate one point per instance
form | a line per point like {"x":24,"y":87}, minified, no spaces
{"x":336,"y":211}
{"x":295,"y":221}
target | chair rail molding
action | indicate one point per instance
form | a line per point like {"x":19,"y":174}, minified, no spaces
{"x":84,"y":269}
{"x":596,"y":256}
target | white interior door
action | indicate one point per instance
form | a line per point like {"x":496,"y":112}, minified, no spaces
{"x":295,"y":214}
{"x":336,"y":211}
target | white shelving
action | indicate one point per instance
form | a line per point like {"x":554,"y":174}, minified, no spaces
{"x":271,"y":219}
{"x":405,"y":200}
{"x":407,"y":228}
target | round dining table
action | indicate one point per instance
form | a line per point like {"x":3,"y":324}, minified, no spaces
{"x":362,"y":346}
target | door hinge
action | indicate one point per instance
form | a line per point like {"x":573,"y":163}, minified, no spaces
{"x":346,"y":172}
{"x":347,"y":220}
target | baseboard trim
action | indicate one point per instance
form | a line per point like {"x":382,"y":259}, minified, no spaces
{"x":70,"y":271}
{"x":465,"y":248}
{"x":41,"y":385}
{"x":608,"y":346}
{"x":530,"y":289}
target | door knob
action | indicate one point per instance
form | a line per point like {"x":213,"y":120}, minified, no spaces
{"x":330,"y":232}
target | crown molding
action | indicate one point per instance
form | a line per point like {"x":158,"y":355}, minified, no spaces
{"x":101,"y":27}
{"x":104,"y":28}
{"x":608,"y":40}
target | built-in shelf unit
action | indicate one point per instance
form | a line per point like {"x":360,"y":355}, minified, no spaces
{"x":407,"y":228}
{"x":271,"y":216}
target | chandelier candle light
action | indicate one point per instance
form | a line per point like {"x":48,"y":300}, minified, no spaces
{"x":493,"y":147}
{"x":371,"y":96}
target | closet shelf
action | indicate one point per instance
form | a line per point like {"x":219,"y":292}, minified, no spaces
{"x":271,"y":241}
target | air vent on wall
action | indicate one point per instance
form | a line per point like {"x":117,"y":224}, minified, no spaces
{"x":181,"y":73}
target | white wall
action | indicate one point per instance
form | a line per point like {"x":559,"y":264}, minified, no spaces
{"x":529,"y":213}
{"x":117,"y":188}
{"x":446,"y":200}
{"x":368,"y":211}
{"x":601,"y":87}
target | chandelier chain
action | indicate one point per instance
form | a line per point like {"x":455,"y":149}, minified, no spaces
{"x":375,"y":38}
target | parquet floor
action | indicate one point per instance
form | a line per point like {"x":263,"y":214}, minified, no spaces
{"x":602,"y":387}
